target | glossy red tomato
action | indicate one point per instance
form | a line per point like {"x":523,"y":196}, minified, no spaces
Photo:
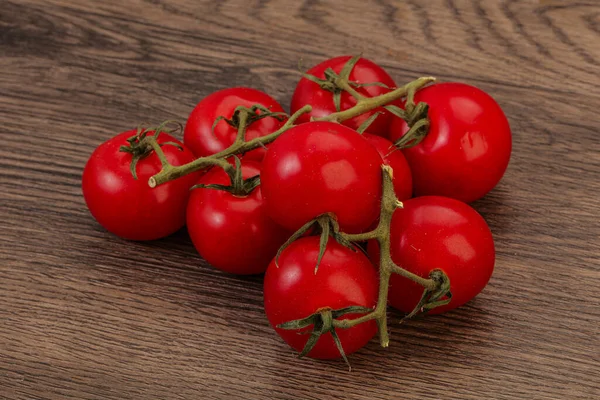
{"x":203,"y":141}
{"x":233,"y":233}
{"x":293,"y":291}
{"x":433,"y":232}
{"x":321,"y":100}
{"x":128,"y":207}
{"x":393,"y":157}
{"x":468,"y":146}
{"x":320,"y":167}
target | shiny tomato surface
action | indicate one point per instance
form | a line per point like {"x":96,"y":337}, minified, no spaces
{"x":322,"y":167}
{"x":293,"y":291}
{"x":402,"y":177}
{"x":467,"y":149}
{"x":128,"y":207}
{"x":233,"y":233}
{"x":433,"y":232}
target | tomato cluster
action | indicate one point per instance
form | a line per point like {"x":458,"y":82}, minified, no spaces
{"x":255,"y":185}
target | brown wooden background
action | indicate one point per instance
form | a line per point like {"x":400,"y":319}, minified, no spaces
{"x":85,"y":315}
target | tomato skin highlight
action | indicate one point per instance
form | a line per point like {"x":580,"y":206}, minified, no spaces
{"x":365,"y":71}
{"x":322,"y":167}
{"x":233,"y":233}
{"x":203,"y":141}
{"x":467,"y":149}
{"x":128,"y":207}
{"x":402,"y":180}
{"x":434,"y":232}
{"x":293,"y":291}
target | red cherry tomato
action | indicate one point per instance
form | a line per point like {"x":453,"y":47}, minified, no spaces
{"x":435,"y":232}
{"x":293,"y":291}
{"x":203,"y":141}
{"x":394,"y":158}
{"x":468,"y":146}
{"x":321,"y":100}
{"x":320,"y":167}
{"x":128,"y":207}
{"x":233,"y":233}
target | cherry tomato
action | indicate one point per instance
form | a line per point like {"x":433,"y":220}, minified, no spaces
{"x":128,"y":207}
{"x":468,"y":146}
{"x":365,"y":71}
{"x":433,"y":232}
{"x":293,"y":291}
{"x":233,"y":233}
{"x":322,"y":167}
{"x":203,"y":141}
{"x":394,"y":158}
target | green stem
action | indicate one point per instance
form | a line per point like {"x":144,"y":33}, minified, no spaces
{"x":387,"y":267}
{"x":427,"y":283}
{"x":367,"y":104}
{"x":243,"y":125}
{"x":161,"y":154}
{"x":381,"y":234}
{"x":363,"y":105}
{"x":345,"y":85}
{"x":170,"y":172}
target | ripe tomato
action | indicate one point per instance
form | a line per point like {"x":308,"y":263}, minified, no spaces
{"x":395,"y":159}
{"x":320,"y":167}
{"x":468,"y":146}
{"x":293,"y":291}
{"x":233,"y":233}
{"x":203,"y":141}
{"x":128,"y":207}
{"x":433,"y":232}
{"x":321,"y":100}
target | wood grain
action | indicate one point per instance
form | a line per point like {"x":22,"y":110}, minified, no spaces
{"x":85,"y":315}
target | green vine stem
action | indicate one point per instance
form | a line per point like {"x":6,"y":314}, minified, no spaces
{"x":387,"y":267}
{"x":415,"y":115}
{"x":238,"y":186}
{"x":240,"y":145}
{"x":366,"y":104}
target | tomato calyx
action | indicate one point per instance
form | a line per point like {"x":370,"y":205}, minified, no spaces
{"x":140,"y":147}
{"x":438,"y":296}
{"x":323,"y":321}
{"x":416,"y":117}
{"x":338,"y":83}
{"x":253,"y":114}
{"x":239,"y":187}
{"x":326,"y":226}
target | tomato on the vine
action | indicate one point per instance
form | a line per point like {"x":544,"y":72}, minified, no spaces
{"x":127,"y":206}
{"x":322,"y":167}
{"x":434,"y":232}
{"x":467,"y":149}
{"x":232,"y":231}
{"x":364,"y":72}
{"x":393,"y":157}
{"x":293,"y":291}
{"x":203,"y":140}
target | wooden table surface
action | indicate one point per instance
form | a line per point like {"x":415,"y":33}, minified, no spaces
{"x":86,"y":315}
